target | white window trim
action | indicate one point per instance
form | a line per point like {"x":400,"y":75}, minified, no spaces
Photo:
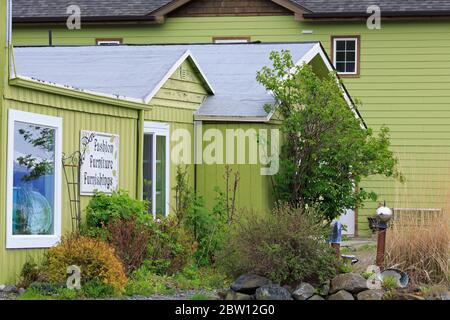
{"x":356,"y":53}
{"x":33,"y":241}
{"x":159,"y":129}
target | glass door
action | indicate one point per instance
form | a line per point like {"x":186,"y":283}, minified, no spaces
{"x":156,"y":168}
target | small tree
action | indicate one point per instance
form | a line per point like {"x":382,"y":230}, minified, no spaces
{"x":326,"y":151}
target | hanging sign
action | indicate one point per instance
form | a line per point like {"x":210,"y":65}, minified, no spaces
{"x":99,"y":170}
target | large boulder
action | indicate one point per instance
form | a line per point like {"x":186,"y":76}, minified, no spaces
{"x":304,"y":291}
{"x":370,"y":295}
{"x":341,"y":295}
{"x":351,"y":282}
{"x":273,"y":292}
{"x":248,"y":283}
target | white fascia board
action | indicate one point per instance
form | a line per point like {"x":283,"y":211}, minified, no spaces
{"x":186,"y":55}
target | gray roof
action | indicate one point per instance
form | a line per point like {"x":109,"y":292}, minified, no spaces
{"x":135,"y":71}
{"x":360,"y":6}
{"x":89,"y":8}
{"x":139,"y":8}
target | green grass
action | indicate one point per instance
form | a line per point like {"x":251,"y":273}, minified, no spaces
{"x":200,"y":297}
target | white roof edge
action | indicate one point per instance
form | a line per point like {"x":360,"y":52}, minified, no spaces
{"x":61,"y":86}
{"x":186,"y":55}
{"x":318,"y":50}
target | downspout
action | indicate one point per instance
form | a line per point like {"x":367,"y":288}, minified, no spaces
{"x":140,"y":155}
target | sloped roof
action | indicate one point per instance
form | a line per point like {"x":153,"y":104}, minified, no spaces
{"x":135,"y":71}
{"x":388,"y":7}
{"x":135,"y":9}
{"x":89,"y":8}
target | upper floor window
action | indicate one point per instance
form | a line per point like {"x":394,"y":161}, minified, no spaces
{"x":231,"y":39}
{"x":108,"y":42}
{"x":345,"y":52}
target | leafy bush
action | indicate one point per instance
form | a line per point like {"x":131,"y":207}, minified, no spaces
{"x":208,"y":227}
{"x":170,"y":247}
{"x":31,"y":272}
{"x":96,"y":259}
{"x":130,"y":240}
{"x":97,"y":289}
{"x":287,"y":247}
{"x":119,"y":206}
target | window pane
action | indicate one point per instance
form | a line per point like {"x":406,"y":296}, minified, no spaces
{"x":350,"y":57}
{"x":33,"y":179}
{"x":148,"y":167}
{"x":340,"y":67}
{"x":160,"y":176}
{"x":340,"y":56}
{"x":340,"y":45}
{"x":351,"y":44}
{"x":350,"y":67}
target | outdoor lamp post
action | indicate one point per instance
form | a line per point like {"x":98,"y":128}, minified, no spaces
{"x":384,"y":215}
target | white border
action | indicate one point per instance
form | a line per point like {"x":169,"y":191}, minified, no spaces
{"x":33,"y":241}
{"x":356,"y":54}
{"x":162,"y":130}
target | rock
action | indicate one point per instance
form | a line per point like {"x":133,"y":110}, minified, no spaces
{"x":304,"y":291}
{"x":316,"y":297}
{"x":248,"y":283}
{"x":325,"y":288}
{"x":351,"y":282}
{"x":341,"y":295}
{"x":21,"y":290}
{"x":231,"y":295}
{"x":2,"y":287}
{"x":370,"y":295}
{"x":273,"y":292}
{"x":10,"y":289}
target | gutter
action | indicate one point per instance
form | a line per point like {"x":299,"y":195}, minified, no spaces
{"x":385,"y":14}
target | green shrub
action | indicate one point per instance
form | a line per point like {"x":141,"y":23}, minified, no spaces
{"x":103,"y":208}
{"x":31,"y":272}
{"x":170,"y":247}
{"x":287,"y":247}
{"x":208,"y":227}
{"x":97,"y":289}
{"x":95,"y":258}
{"x":390,"y":283}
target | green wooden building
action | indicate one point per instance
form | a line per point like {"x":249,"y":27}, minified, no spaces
{"x":132,"y":113}
{"x":399,"y":70}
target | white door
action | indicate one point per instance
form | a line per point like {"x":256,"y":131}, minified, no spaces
{"x":348,"y":219}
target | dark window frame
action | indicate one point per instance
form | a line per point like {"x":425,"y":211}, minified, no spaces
{"x":357,"y":38}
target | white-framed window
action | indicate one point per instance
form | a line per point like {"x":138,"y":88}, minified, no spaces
{"x":156,"y":167}
{"x":346,"y":55}
{"x":33,"y":180}
{"x":108,"y":42}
